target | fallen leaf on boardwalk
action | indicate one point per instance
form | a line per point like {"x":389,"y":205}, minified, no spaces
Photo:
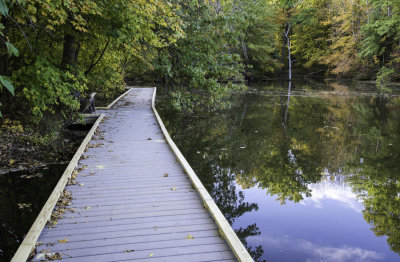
{"x":92,"y":173}
{"x":53,"y":256}
{"x":100,"y":167}
{"x":151,"y":254}
{"x":165,"y":174}
{"x":149,"y":138}
{"x":174,"y":188}
{"x":156,"y":228}
{"x":81,"y":184}
{"x":110,"y":151}
{"x":189,"y":237}
{"x":63,"y":240}
{"x":129,"y":250}
{"x":88,"y":208}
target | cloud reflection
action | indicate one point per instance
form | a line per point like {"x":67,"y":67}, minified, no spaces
{"x":319,"y":253}
{"x":336,"y":190}
{"x":334,"y":254}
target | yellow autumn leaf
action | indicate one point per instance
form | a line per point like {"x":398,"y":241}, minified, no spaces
{"x":189,"y":237}
{"x":63,"y":241}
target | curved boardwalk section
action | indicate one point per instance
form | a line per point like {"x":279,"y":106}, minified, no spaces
{"x":131,"y":199}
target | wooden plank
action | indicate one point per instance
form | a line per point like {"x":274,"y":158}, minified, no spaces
{"x":136,"y":247}
{"x":110,"y":187}
{"x":130,"y":200}
{"x":134,"y":226}
{"x":225,"y":229}
{"x":28,"y":244}
{"x":156,"y":220}
{"x":139,"y":197}
{"x":131,"y":178}
{"x":97,"y":212}
{"x":124,"y":240}
{"x":160,"y":253}
{"x":158,"y":227}
{"x":132,"y":233}
{"x":129,"y":215}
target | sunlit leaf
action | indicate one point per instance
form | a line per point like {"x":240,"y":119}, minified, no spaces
{"x":7,"y":84}
{"x":3,"y":8}
{"x":11,"y":49}
{"x":63,"y":241}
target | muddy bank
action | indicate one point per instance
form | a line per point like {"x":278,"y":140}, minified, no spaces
{"x":24,"y":150}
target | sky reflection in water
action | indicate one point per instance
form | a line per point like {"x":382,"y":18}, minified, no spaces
{"x":315,"y":179}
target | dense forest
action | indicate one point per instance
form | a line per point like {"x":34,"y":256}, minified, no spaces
{"x":52,"y":49}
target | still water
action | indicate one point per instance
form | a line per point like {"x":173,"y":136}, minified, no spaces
{"x":24,"y":193}
{"x":22,"y":196}
{"x":307,"y":175}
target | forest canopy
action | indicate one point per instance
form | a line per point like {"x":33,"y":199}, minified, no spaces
{"x":51,"y":49}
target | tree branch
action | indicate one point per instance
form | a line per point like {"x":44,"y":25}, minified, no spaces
{"x":101,"y":55}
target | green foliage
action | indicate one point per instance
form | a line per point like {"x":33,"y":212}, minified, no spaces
{"x":48,"y":89}
{"x":55,"y":48}
{"x":381,"y":33}
{"x":7,"y":84}
{"x":260,"y":18}
{"x":383,"y":79}
{"x":11,"y":50}
{"x":203,"y":59}
{"x":310,"y":34}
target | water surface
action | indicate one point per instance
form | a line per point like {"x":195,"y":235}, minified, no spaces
{"x":310,"y":176}
{"x":23,"y":194}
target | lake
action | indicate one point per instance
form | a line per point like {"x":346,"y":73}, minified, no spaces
{"x":310,"y":174}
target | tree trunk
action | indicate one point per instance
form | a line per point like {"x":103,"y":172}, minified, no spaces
{"x":69,"y":50}
{"x":289,"y":50}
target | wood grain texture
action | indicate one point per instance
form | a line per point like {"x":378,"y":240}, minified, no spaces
{"x":131,"y":199}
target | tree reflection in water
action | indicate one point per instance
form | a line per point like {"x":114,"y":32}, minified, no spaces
{"x":285,"y":145}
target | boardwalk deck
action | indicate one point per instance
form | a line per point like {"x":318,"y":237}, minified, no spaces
{"x":132,"y":200}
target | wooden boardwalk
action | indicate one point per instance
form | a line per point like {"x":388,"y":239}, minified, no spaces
{"x":131,"y":198}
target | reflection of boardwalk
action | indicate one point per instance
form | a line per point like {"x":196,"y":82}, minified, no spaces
{"x":132,"y":200}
